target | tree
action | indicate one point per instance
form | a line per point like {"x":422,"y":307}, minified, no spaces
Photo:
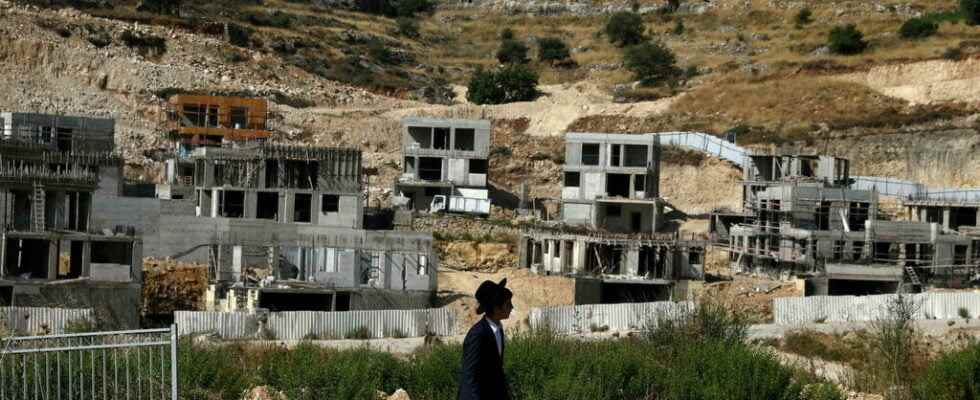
{"x":552,"y":49}
{"x":917,"y":28}
{"x":803,"y":17}
{"x":846,"y":39}
{"x":512,"y":52}
{"x":508,"y":84}
{"x":625,"y":29}
{"x":971,"y":11}
{"x":651,"y":62}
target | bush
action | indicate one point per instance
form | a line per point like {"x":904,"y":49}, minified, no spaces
{"x":953,"y":54}
{"x":512,"y":83}
{"x":803,"y":17}
{"x":625,"y":29}
{"x":552,"y":49}
{"x":822,"y":391}
{"x":379,"y":52}
{"x":652,"y":63}
{"x":678,"y":27}
{"x":393,"y":8}
{"x":361,"y":333}
{"x":846,"y":39}
{"x":971,"y":11}
{"x":964,"y":313}
{"x":512,"y":52}
{"x":407,"y":27}
{"x":916,"y":28}
{"x":211,"y":372}
{"x":953,"y":376}
{"x":145,"y":44}
{"x":507,"y":34}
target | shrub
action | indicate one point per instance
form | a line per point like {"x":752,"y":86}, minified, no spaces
{"x":708,"y":321}
{"x":971,"y":11}
{"x":625,"y":29}
{"x":651,"y":62}
{"x":211,"y":372}
{"x":361,"y":333}
{"x":552,"y":49}
{"x":678,"y":27}
{"x":953,"y":54}
{"x":803,"y":17}
{"x":507,"y":34}
{"x":275,"y":19}
{"x":964,"y":313}
{"x":916,"y":28}
{"x":846,"y":39}
{"x":379,"y":52}
{"x":511,"y":83}
{"x":952,"y":376}
{"x":83,"y":325}
{"x":145,"y":44}
{"x":822,"y":391}
{"x":391,"y":8}
{"x":407,"y":27}
{"x":512,"y":52}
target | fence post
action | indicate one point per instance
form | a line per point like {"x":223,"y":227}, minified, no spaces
{"x":173,"y":361}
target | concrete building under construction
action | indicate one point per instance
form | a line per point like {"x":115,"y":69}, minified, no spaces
{"x":51,"y":254}
{"x":802,"y":219}
{"x":610,"y":234}
{"x":445,"y":165}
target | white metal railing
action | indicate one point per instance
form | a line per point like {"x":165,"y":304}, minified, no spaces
{"x":137,"y":364}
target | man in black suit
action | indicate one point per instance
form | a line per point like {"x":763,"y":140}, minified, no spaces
{"x":482,"y":376}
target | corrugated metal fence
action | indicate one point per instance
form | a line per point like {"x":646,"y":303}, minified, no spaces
{"x":802,"y":310}
{"x":601,"y":317}
{"x":299,"y":325}
{"x":42,"y":320}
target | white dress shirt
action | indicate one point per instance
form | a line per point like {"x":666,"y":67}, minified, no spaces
{"x":497,"y":334}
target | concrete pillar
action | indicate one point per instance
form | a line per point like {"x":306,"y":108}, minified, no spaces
{"x":580,"y":256}
{"x":947,"y":213}
{"x":251,"y":203}
{"x":87,"y":259}
{"x":136,"y":273}
{"x":632,"y":183}
{"x":913,"y":213}
{"x":53,"y":255}
{"x":632,"y":262}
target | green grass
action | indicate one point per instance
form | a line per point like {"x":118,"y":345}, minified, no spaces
{"x":540,"y":366}
{"x":953,"y":376}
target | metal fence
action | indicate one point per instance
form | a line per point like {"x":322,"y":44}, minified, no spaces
{"x":707,"y":144}
{"x":137,"y":364}
{"x":804,"y":310}
{"x":300,"y":325}
{"x":603,"y":317}
{"x":42,"y":320}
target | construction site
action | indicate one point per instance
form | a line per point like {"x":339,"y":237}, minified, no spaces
{"x":284,"y":228}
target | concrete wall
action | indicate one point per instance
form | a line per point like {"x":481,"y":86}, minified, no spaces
{"x":481,"y":137}
{"x":88,"y":134}
{"x":116,"y":305}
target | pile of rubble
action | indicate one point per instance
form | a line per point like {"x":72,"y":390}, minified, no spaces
{"x":170,"y":286}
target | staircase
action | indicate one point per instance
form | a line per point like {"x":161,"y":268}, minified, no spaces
{"x":912,"y":276}
{"x":37,"y":213}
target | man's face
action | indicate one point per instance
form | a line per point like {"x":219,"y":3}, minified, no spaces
{"x":502,"y":312}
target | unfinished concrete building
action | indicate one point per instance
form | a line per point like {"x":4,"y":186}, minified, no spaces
{"x":801,"y":219}
{"x":445,"y":165}
{"x":612,"y":182}
{"x":194,"y":121}
{"x":308,"y":185}
{"x":50,"y":254}
{"x":280,"y":228}
{"x":610,"y":228}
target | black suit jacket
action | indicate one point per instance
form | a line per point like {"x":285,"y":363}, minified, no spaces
{"x":482,"y":375}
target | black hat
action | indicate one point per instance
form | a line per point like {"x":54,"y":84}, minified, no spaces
{"x":489,"y":293}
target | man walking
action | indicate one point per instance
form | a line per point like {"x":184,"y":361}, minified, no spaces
{"x":482,"y":375}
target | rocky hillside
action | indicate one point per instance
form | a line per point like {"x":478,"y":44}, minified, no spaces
{"x":340,"y":76}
